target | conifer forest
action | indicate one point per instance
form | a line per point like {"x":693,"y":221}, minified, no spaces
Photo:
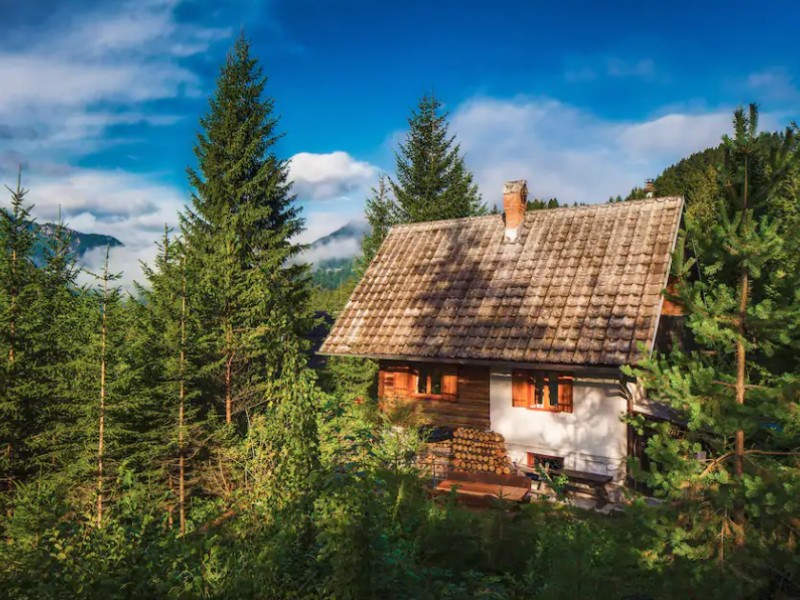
{"x":180,"y":439}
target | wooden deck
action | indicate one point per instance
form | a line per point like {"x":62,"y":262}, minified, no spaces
{"x":484,"y":487}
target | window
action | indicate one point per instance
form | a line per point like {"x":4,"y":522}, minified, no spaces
{"x":548,"y":463}
{"x":538,"y":390}
{"x":436,"y":382}
{"x":429,"y":381}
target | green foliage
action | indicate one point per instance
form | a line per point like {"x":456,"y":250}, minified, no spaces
{"x":332,"y":273}
{"x":738,"y":393}
{"x":432,"y":180}
{"x":539,"y":204}
{"x":382,"y":212}
{"x":331,"y":301}
{"x":250,"y":295}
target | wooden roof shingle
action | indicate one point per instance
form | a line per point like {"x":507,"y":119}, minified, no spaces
{"x":581,"y":286}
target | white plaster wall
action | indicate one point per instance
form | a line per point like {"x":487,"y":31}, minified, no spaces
{"x":591,"y":438}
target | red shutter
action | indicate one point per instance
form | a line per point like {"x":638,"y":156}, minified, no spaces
{"x":385,"y":383}
{"x":393,"y":382}
{"x":402,"y":377}
{"x":450,"y":385}
{"x":521,"y":389}
{"x":565,"y":393}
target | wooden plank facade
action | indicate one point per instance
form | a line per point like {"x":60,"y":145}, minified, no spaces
{"x":449,"y":395}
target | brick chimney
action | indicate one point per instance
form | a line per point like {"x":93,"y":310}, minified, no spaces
{"x":649,"y":188}
{"x":515,"y":201}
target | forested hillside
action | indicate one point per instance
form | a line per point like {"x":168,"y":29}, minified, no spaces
{"x":175,"y":443}
{"x":79,"y":243}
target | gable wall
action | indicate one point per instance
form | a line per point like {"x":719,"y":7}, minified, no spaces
{"x":591,"y":438}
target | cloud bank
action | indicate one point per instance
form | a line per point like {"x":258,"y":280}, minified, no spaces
{"x":84,"y":72}
{"x":571,"y":154}
{"x":329,"y":176}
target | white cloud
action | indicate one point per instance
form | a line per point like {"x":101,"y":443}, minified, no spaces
{"x":674,"y":135}
{"x":125,"y":262}
{"x":569,"y":153}
{"x":132,"y":208}
{"x":345,"y":248}
{"x":330,"y":176}
{"x":81,"y":72}
{"x":62,"y":80}
{"x":322,"y":180}
{"x":320,"y":223}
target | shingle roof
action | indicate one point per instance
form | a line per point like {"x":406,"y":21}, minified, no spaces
{"x":581,"y":285}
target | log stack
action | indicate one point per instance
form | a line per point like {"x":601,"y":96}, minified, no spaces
{"x":476,"y":451}
{"x":435,"y":458}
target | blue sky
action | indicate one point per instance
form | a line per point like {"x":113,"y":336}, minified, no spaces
{"x":100,"y":100}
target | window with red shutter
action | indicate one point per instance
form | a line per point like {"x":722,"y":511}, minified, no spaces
{"x":538,"y":390}
{"x":435,"y":383}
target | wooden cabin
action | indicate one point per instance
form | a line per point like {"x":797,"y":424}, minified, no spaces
{"x":519,"y":322}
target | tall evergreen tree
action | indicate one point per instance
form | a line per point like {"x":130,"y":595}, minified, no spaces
{"x":739,"y":392}
{"x":57,"y":345}
{"x":175,"y":422}
{"x":17,"y":284}
{"x":432,"y":180}
{"x":250,"y":294}
{"x":381,"y":212}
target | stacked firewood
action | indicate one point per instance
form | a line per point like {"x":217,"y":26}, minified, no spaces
{"x":435,"y":458}
{"x":475,"y":451}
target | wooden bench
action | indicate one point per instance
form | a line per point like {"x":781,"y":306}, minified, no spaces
{"x":484,"y":486}
{"x":578,"y":481}
{"x":584,"y":481}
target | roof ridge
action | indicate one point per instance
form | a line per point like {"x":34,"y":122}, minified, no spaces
{"x":455,"y":221}
{"x":625,"y":204}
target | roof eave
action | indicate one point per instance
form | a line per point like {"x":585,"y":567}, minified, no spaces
{"x":574,"y":368}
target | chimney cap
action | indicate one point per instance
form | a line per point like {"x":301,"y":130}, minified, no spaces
{"x":512,"y":187}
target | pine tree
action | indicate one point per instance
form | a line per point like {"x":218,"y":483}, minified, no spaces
{"x":57,"y":342}
{"x":739,"y":391}
{"x":108,"y":295}
{"x":381,"y":213}
{"x":168,"y":330}
{"x":432,"y":180}
{"x":250,"y":294}
{"x":18,"y":279}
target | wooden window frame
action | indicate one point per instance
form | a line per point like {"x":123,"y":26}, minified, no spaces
{"x":430,"y":370}
{"x":533,"y":390}
{"x":532,"y":457}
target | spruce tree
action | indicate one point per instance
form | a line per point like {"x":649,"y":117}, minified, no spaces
{"x":734,"y":475}
{"x":18,"y":286}
{"x":250,"y":295}
{"x":381,"y":213}
{"x":175,"y":422}
{"x":57,"y":341}
{"x":432,"y":180}
{"x":95,"y":422}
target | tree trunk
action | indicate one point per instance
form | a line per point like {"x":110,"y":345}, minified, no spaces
{"x":102,"y":417}
{"x":181,"y":400}
{"x":741,"y":362}
{"x":12,"y":324}
{"x":228,"y":372}
{"x":228,"y":394}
